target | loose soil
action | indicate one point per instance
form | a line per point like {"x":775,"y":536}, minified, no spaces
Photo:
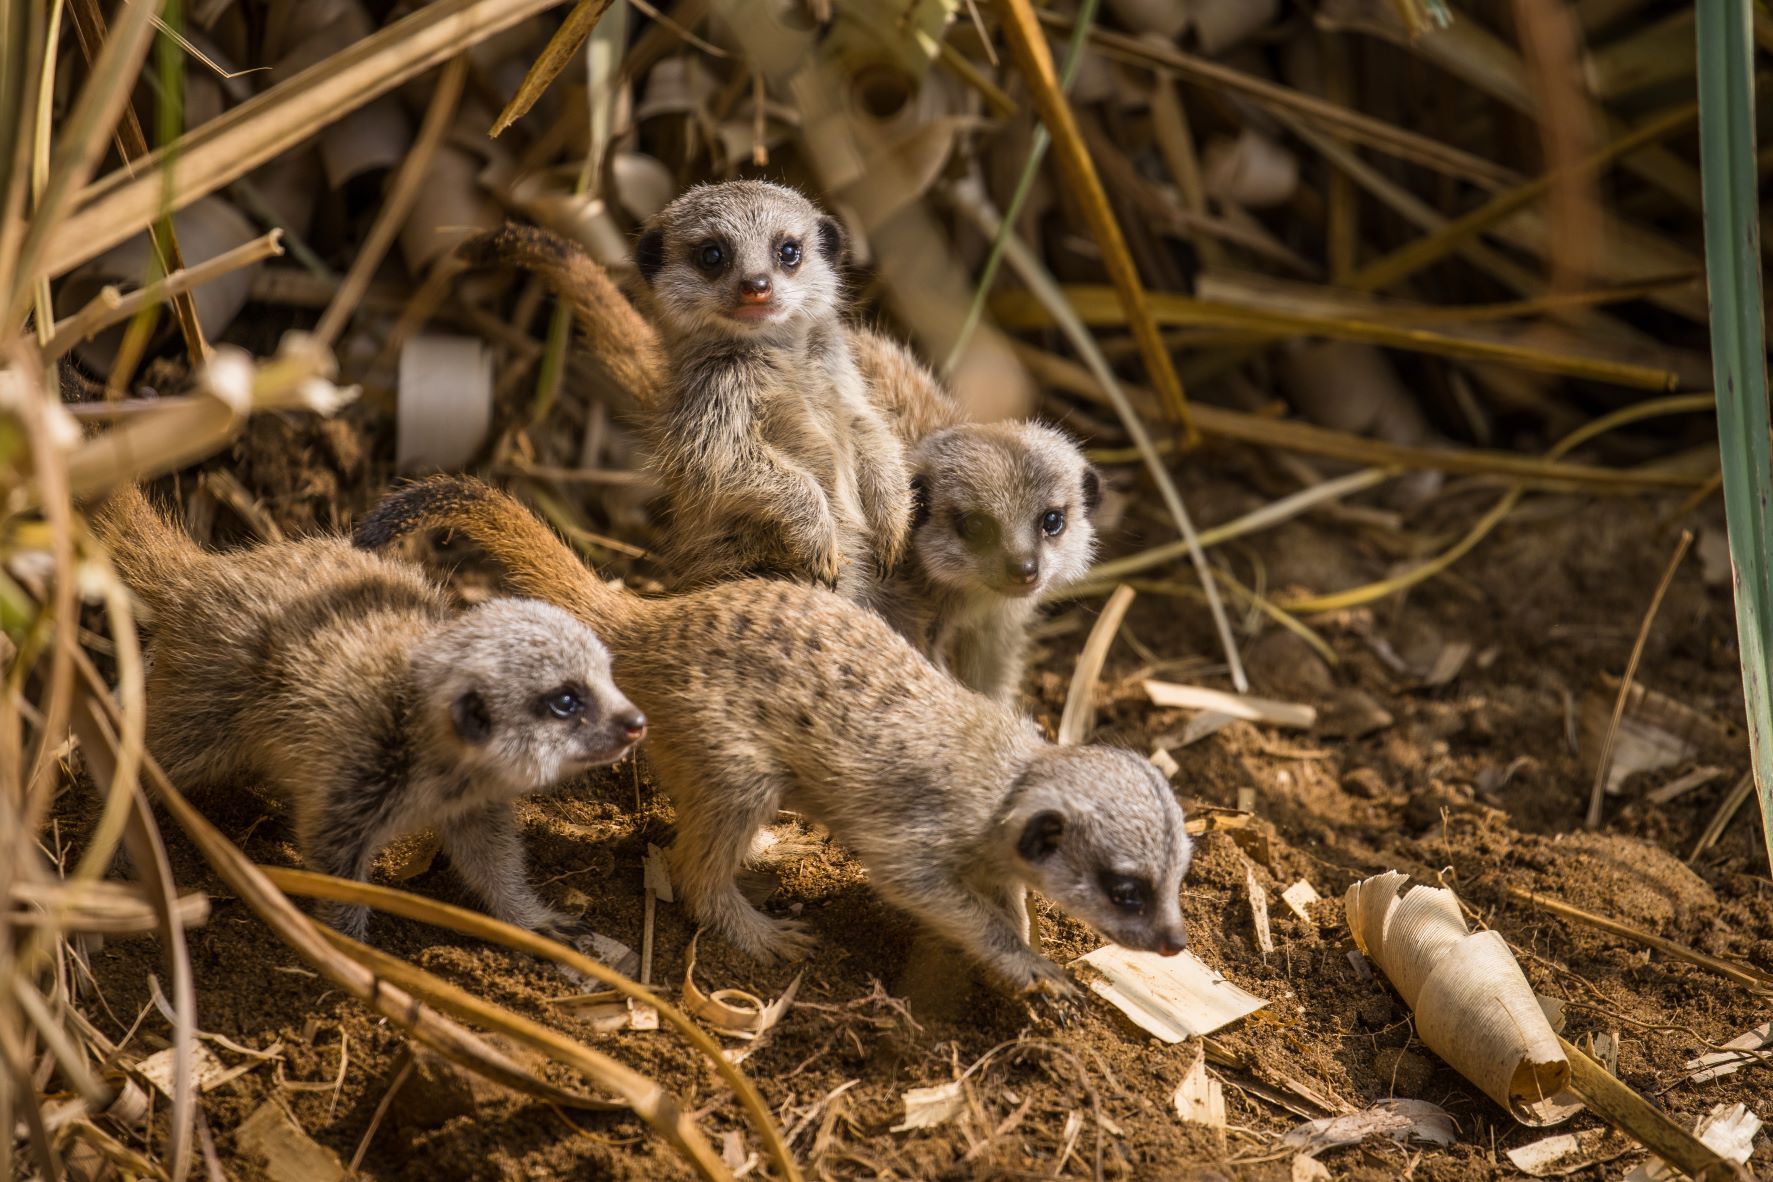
{"x":1474,"y":783}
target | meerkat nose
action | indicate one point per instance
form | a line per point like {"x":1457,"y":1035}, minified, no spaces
{"x":633,"y":726}
{"x":1025,"y":570}
{"x":1171,"y":943}
{"x":755,"y":290}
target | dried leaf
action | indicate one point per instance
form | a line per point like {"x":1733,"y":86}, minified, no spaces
{"x":1716,"y":1064}
{"x":1246,"y":707}
{"x":1299,"y":897}
{"x":1472,"y":1004}
{"x":733,"y":1012}
{"x":1172,"y":997}
{"x":157,"y":1069}
{"x":1566,"y":1153}
{"x":656,"y":871}
{"x":1400,"y":1120}
{"x":1258,"y":909}
{"x":927,"y":1107}
{"x":1163,"y":761}
{"x":1200,"y":1098}
{"x":1727,"y":1130}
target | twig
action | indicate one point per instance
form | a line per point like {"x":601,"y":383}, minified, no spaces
{"x":1631,"y":668}
{"x":1741,"y":974}
{"x":1080,"y":709}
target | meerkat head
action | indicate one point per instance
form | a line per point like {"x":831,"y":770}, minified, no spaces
{"x":521,"y":690}
{"x":1003,"y":507}
{"x":1098,"y":831}
{"x":741,"y":259}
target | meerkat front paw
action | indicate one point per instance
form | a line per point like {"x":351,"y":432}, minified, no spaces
{"x":351,"y":919}
{"x":822,"y":553}
{"x":771,"y":941}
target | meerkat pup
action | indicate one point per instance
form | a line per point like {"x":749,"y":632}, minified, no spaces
{"x":1002,"y":512}
{"x":767,"y":693}
{"x":350,"y":683}
{"x":1002,"y":518}
{"x":774,"y":460}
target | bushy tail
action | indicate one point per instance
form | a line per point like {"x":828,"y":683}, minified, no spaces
{"x":616,"y":334}
{"x":536,"y":562}
{"x":154,"y":557}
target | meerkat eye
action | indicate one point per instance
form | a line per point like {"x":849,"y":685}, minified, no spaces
{"x":564,"y":703}
{"x":711,"y":256}
{"x":789,"y":253}
{"x":1127,"y":893}
{"x":977,"y":528}
{"x":1052,"y":523}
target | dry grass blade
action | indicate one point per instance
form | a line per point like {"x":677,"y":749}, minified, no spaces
{"x":1099,"y":306}
{"x":1080,"y":707}
{"x":485,"y":927}
{"x":1035,"y":275}
{"x":1028,"y":46}
{"x":554,"y":58}
{"x":1602,"y":764}
{"x":1753,"y":978}
{"x":1720,"y":820}
{"x":646,"y":1098}
{"x":111,"y":306}
{"x":274,"y":121}
{"x":399,"y":202}
{"x":89,"y":25}
{"x":1629,"y":1112}
{"x":84,"y":137}
{"x":1534,"y":471}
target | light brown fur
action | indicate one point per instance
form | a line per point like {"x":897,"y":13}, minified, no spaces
{"x":767,"y":693}
{"x":350,"y":684}
{"x":774,"y":460}
{"x":951,"y":599}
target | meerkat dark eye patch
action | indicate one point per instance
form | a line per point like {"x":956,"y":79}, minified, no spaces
{"x":1125,"y":891}
{"x":1041,"y":835}
{"x":472,"y":720}
{"x":568,"y":701}
{"x":649,"y":254}
{"x":833,"y":243}
{"x":1092,"y":489}
{"x":977,"y":529}
{"x":920,"y":501}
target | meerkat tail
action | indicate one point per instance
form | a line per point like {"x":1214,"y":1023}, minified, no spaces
{"x":151,"y":553}
{"x":536,"y":562}
{"x":622,"y":340}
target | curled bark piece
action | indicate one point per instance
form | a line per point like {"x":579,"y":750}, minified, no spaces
{"x":1473,"y":1006}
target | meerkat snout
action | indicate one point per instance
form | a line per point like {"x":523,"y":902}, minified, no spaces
{"x":1099,"y":832}
{"x":527,"y":691}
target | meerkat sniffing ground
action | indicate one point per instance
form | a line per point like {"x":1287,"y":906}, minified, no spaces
{"x":1002,"y":518}
{"x":774,"y":459}
{"x":768,"y":693}
{"x":350,"y":683}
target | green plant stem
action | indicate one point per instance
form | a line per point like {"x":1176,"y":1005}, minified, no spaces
{"x":1739,"y":359}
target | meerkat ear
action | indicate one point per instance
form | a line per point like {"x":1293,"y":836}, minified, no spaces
{"x":1040,"y":836}
{"x":920,"y":501}
{"x":832,"y":241}
{"x":472,"y":721}
{"x":1092,"y":488}
{"x":649,"y":254}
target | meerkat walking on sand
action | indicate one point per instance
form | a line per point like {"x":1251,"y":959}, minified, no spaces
{"x":766,"y":693}
{"x":349,"y":682}
{"x":774,"y":459}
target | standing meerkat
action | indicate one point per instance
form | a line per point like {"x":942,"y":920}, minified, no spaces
{"x":766,"y":694}
{"x":1002,"y":512}
{"x":350,"y":683}
{"x":774,"y":459}
{"x":1002,"y":518}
